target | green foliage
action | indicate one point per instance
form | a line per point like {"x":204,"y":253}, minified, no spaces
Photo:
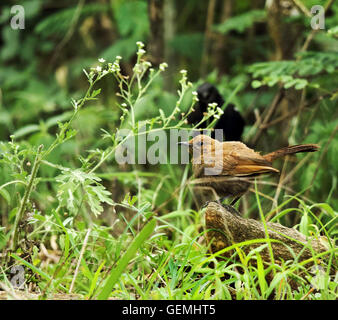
{"x":188,"y":45}
{"x":241,"y":22}
{"x":91,"y":192}
{"x":295,"y":73}
{"x":136,"y":11}
{"x":58,"y":24}
{"x":333,"y":32}
{"x":130,"y":253}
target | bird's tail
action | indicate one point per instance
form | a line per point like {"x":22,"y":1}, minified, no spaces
{"x":291,"y":150}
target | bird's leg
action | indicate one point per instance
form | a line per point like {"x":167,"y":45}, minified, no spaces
{"x":205,"y":205}
{"x":231,"y":209}
{"x":228,"y":207}
{"x":225,"y":206}
{"x":222,"y":199}
{"x":233,"y":202}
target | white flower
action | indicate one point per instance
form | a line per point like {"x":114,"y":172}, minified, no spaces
{"x":141,"y":51}
{"x":219,"y":110}
{"x":98,"y":69}
{"x":147,"y":64}
{"x":118,"y":58}
{"x":195,"y":96}
{"x":116,"y":67}
{"x":140,"y":44}
{"x":163,"y":66}
{"x":102,"y":60}
{"x":212,"y":105}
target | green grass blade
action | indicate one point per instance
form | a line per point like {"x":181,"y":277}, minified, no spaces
{"x":265,"y":227}
{"x":122,"y":264}
{"x":261,"y":275}
{"x":94,"y":280}
{"x":41,"y":273}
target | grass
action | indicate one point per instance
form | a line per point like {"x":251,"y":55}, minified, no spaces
{"x":147,"y":264}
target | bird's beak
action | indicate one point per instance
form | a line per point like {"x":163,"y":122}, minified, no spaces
{"x":184,"y":143}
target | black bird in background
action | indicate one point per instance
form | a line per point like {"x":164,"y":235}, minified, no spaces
{"x":230,"y":121}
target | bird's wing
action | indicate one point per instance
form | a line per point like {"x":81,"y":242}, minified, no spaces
{"x":210,"y":165}
{"x":236,"y":159}
{"x":247,"y":165}
{"x":232,"y":165}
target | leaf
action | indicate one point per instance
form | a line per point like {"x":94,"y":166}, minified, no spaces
{"x":70,"y":201}
{"x":95,"y":93}
{"x":116,"y":273}
{"x":4,"y":193}
{"x":38,"y":271}
{"x":94,"y":204}
{"x":326,"y":208}
{"x":277,"y":280}
{"x":176,"y":214}
{"x":26,"y":130}
{"x":163,"y":117}
{"x":96,"y":195}
{"x":261,"y":275}
{"x":3,"y":237}
{"x":333,"y":32}
{"x":241,"y":22}
{"x":59,"y":22}
{"x":289,"y":73}
{"x":256,"y":84}
{"x":52,"y":121}
{"x":304,"y":224}
{"x":300,"y":84}
{"x":137,"y":13}
{"x":39,"y":217}
{"x":95,"y":192}
{"x":94,"y":280}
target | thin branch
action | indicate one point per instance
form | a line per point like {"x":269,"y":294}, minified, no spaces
{"x":79,"y":260}
{"x":207,"y":36}
{"x":70,"y":31}
{"x":302,"y":7}
{"x":277,"y":99}
{"x":12,"y":182}
{"x":26,"y":198}
{"x":314,"y":31}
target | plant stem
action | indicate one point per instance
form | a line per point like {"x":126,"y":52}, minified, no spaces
{"x":26,"y":198}
{"x":79,"y":260}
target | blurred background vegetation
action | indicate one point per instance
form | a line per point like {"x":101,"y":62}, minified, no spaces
{"x":262,"y":55}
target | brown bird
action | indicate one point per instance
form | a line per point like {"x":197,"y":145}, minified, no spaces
{"x":227,"y":167}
